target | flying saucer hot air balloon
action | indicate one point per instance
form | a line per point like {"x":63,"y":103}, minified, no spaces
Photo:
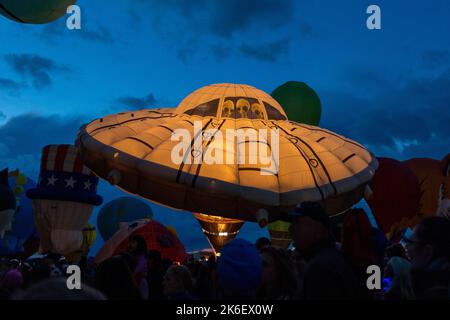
{"x":124,"y":209}
{"x":396,"y":195}
{"x":300,"y":102}
{"x":279,"y":234}
{"x":218,"y":230}
{"x":34,"y":11}
{"x":164,"y":155}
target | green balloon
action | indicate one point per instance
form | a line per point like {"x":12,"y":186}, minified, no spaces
{"x":34,"y":11}
{"x":299,"y":101}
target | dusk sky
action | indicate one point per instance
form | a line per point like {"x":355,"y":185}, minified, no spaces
{"x":388,"y":89}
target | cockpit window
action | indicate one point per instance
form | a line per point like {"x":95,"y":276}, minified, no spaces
{"x":273,"y":113}
{"x":242,"y":107}
{"x":237,"y":108}
{"x":205,"y":109}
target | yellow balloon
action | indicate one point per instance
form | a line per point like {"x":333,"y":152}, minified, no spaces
{"x":21,"y":179}
{"x":279,"y":233}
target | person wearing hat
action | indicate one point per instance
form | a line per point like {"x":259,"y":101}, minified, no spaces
{"x":63,"y":199}
{"x":327,"y":275}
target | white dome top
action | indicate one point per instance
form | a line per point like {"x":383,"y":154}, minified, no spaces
{"x":231,"y":101}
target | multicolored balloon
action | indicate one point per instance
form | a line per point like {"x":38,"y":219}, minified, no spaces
{"x":34,"y":11}
{"x":125,"y":230}
{"x":300,"y":101}
{"x":158,"y":237}
{"x":124,"y":209}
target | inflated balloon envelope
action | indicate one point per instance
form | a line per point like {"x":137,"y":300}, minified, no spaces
{"x":396,"y":195}
{"x":133,"y":150}
{"x":125,"y":230}
{"x":218,"y":230}
{"x":34,"y":11}
{"x":63,"y":199}
{"x":123,"y":209}
{"x":434,"y":178}
{"x":157,"y":237}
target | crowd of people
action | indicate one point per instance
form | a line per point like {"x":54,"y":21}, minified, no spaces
{"x":326,"y":263}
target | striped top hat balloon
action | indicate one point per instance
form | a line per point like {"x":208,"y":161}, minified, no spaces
{"x":64,"y":177}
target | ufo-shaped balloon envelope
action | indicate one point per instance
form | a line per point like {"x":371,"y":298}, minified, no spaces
{"x":227,"y":150}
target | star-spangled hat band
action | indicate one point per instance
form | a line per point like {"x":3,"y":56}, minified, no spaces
{"x":64,"y":177}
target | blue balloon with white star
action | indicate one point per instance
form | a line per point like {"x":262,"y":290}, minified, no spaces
{"x":124,"y":209}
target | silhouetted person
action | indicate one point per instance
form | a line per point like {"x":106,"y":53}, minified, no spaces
{"x":262,"y":242}
{"x":396,"y":250}
{"x":137,"y":248}
{"x":177,"y":283}
{"x":155,"y":275}
{"x":358,"y":248}
{"x":56,"y":289}
{"x":398,"y":271}
{"x":204,"y":284}
{"x":429,"y":251}
{"x":279,"y":276}
{"x":327,"y":274}
{"x":115,"y":279}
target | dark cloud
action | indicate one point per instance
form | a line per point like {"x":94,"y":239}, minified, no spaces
{"x":101,"y":34}
{"x":11,"y":85}
{"x":39,"y":69}
{"x":436,"y":59}
{"x":306,"y":30}
{"x":406,"y":121}
{"x":270,"y":52}
{"x":135,"y":103}
{"x":24,"y":136}
{"x":367,"y":79}
{"x":193,"y":28}
{"x":225,"y":18}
